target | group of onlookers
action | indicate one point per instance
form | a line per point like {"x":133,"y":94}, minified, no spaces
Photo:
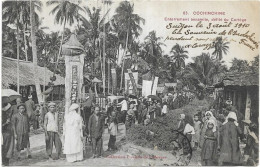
{"x":16,"y":122}
{"x":217,"y":136}
{"x":219,"y":139}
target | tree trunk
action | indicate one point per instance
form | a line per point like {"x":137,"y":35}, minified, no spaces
{"x":108,"y":75}
{"x":104,"y":55}
{"x":24,"y":38}
{"x":62,"y":37}
{"x":122,"y":72}
{"x":34,"y":51}
{"x":18,"y":57}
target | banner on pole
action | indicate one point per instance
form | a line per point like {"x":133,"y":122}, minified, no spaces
{"x":146,"y":88}
{"x":155,"y":82}
{"x":130,"y":87}
{"x":114,"y":80}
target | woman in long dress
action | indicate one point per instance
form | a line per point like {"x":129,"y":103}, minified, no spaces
{"x":73,"y":135}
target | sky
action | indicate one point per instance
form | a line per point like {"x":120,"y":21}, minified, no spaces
{"x":154,"y":12}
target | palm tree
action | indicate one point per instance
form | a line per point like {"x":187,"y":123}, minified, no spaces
{"x":65,"y":12}
{"x":130,"y":24}
{"x":152,"y":51}
{"x":220,"y":48}
{"x":179,"y":56}
{"x":11,"y":15}
{"x":200,"y":73}
{"x":34,"y":51}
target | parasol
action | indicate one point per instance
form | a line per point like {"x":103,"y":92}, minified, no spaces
{"x":9,"y":95}
{"x":154,"y":97}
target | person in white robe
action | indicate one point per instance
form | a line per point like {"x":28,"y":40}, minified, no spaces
{"x":73,"y":135}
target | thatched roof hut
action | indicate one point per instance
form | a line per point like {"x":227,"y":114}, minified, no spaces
{"x":9,"y":73}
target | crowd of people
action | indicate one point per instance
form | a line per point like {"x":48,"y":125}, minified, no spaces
{"x":217,"y":135}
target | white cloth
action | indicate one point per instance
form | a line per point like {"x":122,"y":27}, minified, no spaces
{"x":75,"y":157}
{"x":124,"y":105}
{"x":214,"y":124}
{"x":74,"y":106}
{"x":189,"y":129}
{"x":164,"y":109}
{"x":52,"y":125}
{"x":232,"y":115}
{"x":112,"y":129}
{"x":72,"y":136}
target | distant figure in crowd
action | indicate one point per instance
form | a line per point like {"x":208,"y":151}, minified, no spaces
{"x":229,"y":101}
{"x":209,"y":148}
{"x":7,"y":134}
{"x":51,"y":131}
{"x":96,"y":128}
{"x":151,"y":110}
{"x":30,"y":107}
{"x":43,"y":112}
{"x":14,"y":109}
{"x":20,"y":123}
{"x":180,"y":129}
{"x":112,"y":129}
{"x":158,"y":109}
{"x":188,"y":132}
{"x":124,"y":109}
{"x":252,"y":145}
{"x":147,"y":121}
{"x":87,"y":106}
{"x":164,"y":109}
{"x":229,"y":143}
{"x":130,"y":116}
{"x":197,"y":128}
{"x":35,"y":117}
{"x":73,"y":135}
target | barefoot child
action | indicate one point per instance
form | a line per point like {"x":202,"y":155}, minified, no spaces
{"x":197,"y":127}
{"x":209,"y":148}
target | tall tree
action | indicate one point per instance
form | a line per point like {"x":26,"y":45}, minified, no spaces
{"x":65,"y":12}
{"x":152,"y":51}
{"x":34,"y":51}
{"x":200,"y":72}
{"x":179,"y":56}
{"x":130,"y":24}
{"x":220,"y":48}
{"x":239,"y":65}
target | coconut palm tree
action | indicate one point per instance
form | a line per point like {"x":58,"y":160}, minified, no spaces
{"x":220,"y":48}
{"x":65,"y":12}
{"x":200,"y":72}
{"x":129,"y":23}
{"x":179,"y":56}
{"x":152,"y":51}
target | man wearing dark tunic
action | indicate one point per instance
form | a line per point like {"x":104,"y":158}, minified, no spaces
{"x":20,"y":123}
{"x":8,"y":135}
{"x":30,"y":106}
{"x":96,"y":128}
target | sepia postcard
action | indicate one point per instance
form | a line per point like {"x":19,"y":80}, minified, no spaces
{"x":130,"y":83}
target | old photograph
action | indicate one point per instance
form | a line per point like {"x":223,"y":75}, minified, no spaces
{"x":130,"y":83}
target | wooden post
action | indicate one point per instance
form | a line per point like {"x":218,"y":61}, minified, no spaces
{"x":248,"y":106}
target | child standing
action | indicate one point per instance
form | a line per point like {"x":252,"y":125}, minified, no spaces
{"x":197,"y":128}
{"x":164,"y":109}
{"x":209,"y":148}
{"x":112,"y":129}
{"x":130,"y":116}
